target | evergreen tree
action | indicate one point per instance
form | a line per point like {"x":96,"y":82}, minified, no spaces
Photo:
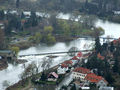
{"x":33,"y":18}
{"x":22,"y":15}
{"x":116,"y":66}
{"x":112,"y":47}
{"x":73,"y":87}
{"x":97,"y":45}
{"x":17,"y":3}
{"x":43,"y":77}
{"x":109,"y":78}
{"x":2,"y":39}
{"x":2,"y":15}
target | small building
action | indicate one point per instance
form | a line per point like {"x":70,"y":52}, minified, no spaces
{"x":106,"y":88}
{"x":80,"y":73}
{"x":69,"y":63}
{"x":7,"y":54}
{"x":52,"y":76}
{"x":98,"y":80}
{"x":62,"y":69}
{"x":79,"y":55}
{"x":75,"y":58}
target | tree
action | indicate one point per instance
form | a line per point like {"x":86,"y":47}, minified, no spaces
{"x":15,"y":49}
{"x":109,"y":78}
{"x":17,"y":3}
{"x":53,"y":20}
{"x":73,"y":87}
{"x":48,"y":29}
{"x":2,"y":39}
{"x":64,"y":28}
{"x":33,"y":19}
{"x":112,"y":47}
{"x":46,"y":63}
{"x":63,"y":88}
{"x":22,"y":15}
{"x":36,"y":38}
{"x":116,"y":66}
{"x":50,"y":39}
{"x":6,"y":83}
{"x":2,"y":15}
{"x":30,"y":70}
{"x":97,"y":45}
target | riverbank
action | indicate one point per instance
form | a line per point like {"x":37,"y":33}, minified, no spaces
{"x":26,"y":44}
{"x":27,"y":83}
{"x":3,"y":64}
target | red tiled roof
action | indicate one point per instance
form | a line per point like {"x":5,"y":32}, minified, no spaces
{"x":93,"y":78}
{"x":114,"y":41}
{"x":79,"y":54}
{"x":64,"y":65}
{"x":82,"y":70}
{"x":54,"y":74}
{"x":100,"y":57}
{"x":68,"y":62}
{"x":75,"y":58}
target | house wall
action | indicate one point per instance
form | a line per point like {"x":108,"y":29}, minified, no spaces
{"x":61,"y":70}
{"x":101,"y":84}
{"x":80,"y":76}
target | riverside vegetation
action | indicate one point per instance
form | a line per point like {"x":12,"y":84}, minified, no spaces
{"x":23,"y":31}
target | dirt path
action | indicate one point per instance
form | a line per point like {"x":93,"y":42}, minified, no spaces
{"x":29,"y":86}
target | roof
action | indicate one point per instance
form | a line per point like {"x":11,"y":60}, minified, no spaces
{"x":100,"y":57}
{"x":106,"y":88}
{"x":64,"y":65}
{"x":75,"y":58}
{"x":82,"y":70}
{"x":54,"y":74}
{"x":93,"y":78}
{"x":114,"y":41}
{"x":79,"y":54}
{"x":77,"y":82}
{"x":68,"y":62}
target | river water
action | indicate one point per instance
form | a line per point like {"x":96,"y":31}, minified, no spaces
{"x":12,"y":73}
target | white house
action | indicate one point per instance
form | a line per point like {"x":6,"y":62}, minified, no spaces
{"x":106,"y":88}
{"x":98,"y":80}
{"x":80,"y":73}
{"x":62,"y":69}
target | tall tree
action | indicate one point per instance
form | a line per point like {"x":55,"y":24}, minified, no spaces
{"x":97,"y":45}
{"x":2,"y":39}
{"x":17,"y":3}
{"x":2,"y":15}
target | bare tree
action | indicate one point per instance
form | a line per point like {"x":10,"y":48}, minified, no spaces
{"x":6,"y":83}
{"x":46,"y":63}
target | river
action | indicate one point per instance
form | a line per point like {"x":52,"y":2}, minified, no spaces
{"x":12,"y":73}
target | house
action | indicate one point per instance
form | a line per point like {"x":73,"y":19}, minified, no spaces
{"x":75,"y":58}
{"x":62,"y":69}
{"x":106,"y":88}
{"x":82,"y":85}
{"x":79,"y":55}
{"x":0,"y":57}
{"x":80,"y":73}
{"x":69,"y":63}
{"x":100,"y":57}
{"x":52,"y":76}
{"x":7,"y":54}
{"x":98,"y":80}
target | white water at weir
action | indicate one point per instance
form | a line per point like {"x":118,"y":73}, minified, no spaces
{"x":11,"y":74}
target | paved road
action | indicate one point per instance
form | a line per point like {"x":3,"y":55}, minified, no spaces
{"x":68,"y":78}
